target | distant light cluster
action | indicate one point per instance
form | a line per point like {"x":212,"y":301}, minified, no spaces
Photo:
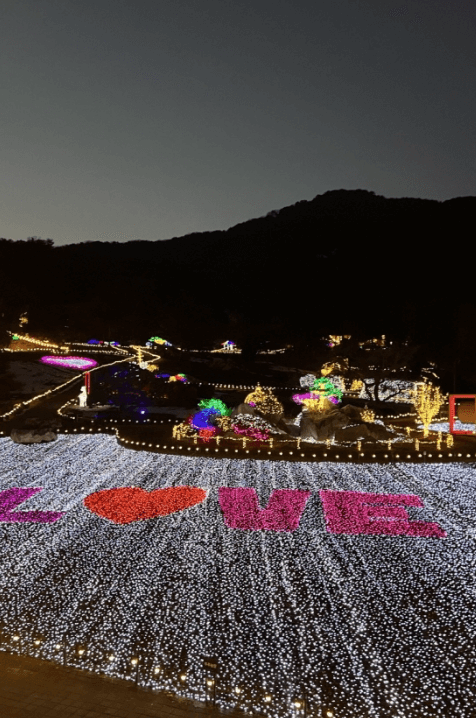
{"x":355,"y":625}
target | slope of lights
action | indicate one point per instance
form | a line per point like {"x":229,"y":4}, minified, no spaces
{"x":444,"y":426}
{"x":356,"y":625}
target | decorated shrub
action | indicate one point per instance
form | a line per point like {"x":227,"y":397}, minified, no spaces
{"x":253,"y":426}
{"x":323,"y":394}
{"x":265,"y":401}
{"x":211,"y":419}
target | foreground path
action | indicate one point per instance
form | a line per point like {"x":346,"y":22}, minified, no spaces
{"x":29,"y":686}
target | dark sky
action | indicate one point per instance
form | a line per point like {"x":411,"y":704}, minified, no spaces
{"x":148,"y":119}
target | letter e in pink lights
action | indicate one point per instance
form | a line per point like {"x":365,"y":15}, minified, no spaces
{"x":353,"y":512}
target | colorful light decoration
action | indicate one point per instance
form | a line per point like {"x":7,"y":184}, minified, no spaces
{"x":323,"y":393}
{"x":69,"y":362}
{"x":325,"y":387}
{"x":217,"y":404}
{"x":359,"y":623}
{"x":159,"y":340}
{"x":207,"y":433}
{"x":256,"y":427}
{"x":205,"y":418}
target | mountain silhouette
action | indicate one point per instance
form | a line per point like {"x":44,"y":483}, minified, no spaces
{"x":345,"y":259}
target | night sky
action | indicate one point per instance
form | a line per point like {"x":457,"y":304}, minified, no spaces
{"x":149,"y":119}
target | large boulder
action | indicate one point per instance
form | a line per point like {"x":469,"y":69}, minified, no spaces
{"x":307,"y":430}
{"x":293,"y":429}
{"x":281,"y":425}
{"x":34,"y":422}
{"x":352,"y":412}
{"x":328,"y":424}
{"x":358,"y":432}
{"x":244,"y":409}
{"x":379,"y":432}
{"x":33,"y":435}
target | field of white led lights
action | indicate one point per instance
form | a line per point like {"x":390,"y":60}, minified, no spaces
{"x":315,"y":587}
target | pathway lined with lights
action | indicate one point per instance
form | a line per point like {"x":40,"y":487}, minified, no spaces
{"x":317,"y":615}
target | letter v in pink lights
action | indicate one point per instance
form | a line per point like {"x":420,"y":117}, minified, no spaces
{"x":353,"y":512}
{"x":11,"y":498}
{"x":283,"y":513}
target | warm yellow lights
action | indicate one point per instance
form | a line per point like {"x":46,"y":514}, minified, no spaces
{"x":319,"y":405}
{"x":265,"y":401}
{"x":224,"y":422}
{"x":427,"y":400}
{"x":368,"y":415}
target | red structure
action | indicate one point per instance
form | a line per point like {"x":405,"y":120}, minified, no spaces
{"x":87,"y":381}
{"x":452,"y":411}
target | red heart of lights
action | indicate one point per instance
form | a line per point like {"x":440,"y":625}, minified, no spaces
{"x":123,"y":506}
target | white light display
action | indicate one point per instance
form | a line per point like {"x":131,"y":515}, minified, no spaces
{"x":389,"y":390}
{"x":345,"y":625}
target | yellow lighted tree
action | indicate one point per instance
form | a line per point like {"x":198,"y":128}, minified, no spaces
{"x":265,"y":401}
{"x":427,"y":400}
